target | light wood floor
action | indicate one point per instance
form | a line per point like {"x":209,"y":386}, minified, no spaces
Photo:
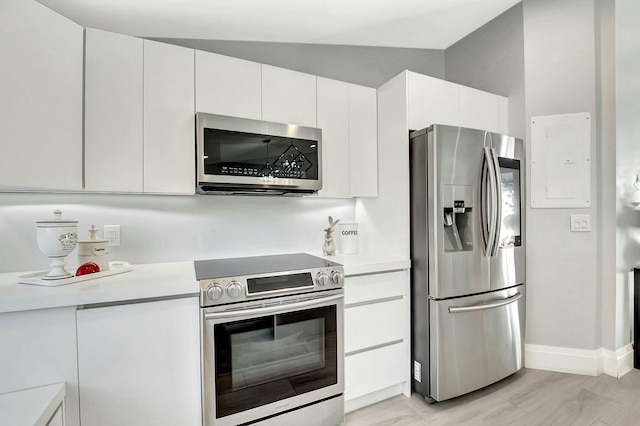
{"x":529,"y":397}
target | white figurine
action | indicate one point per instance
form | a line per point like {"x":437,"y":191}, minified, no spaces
{"x":329,"y":248}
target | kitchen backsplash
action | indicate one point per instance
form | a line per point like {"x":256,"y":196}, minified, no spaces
{"x":170,"y":228}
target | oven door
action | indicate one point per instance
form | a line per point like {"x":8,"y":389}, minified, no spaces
{"x":268,"y":357}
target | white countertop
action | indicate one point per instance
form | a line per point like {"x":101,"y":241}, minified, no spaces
{"x":145,"y":281}
{"x":31,"y":407}
{"x":367,"y":263}
{"x":148,"y":281}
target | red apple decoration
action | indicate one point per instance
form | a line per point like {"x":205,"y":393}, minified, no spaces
{"x":87,"y":268}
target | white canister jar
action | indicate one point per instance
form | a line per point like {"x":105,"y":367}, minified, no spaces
{"x":57,"y":238}
{"x":94,"y":250}
{"x":348,"y":237}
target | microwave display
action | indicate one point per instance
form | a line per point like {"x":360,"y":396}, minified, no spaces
{"x":233,"y":153}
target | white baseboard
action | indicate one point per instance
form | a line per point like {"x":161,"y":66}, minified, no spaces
{"x":579,"y":361}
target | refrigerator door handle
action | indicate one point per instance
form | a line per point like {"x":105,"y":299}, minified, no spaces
{"x":463,"y":309}
{"x":488,"y":213}
{"x":497,"y":203}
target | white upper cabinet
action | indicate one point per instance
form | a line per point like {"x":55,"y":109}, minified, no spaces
{"x":288,"y":96}
{"x":228,"y":86}
{"x":169,"y":119}
{"x":113,"y":112}
{"x":435,"y":101}
{"x":482,"y":110}
{"x":431,"y":101}
{"x":363,"y":141}
{"x":347,"y":115}
{"x":40,"y":98}
{"x":333,"y":119}
{"x":139,"y":115}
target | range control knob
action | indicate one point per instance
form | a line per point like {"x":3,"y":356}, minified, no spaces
{"x":234,"y":289}
{"x":322,"y":279}
{"x":336,"y":277}
{"x":214,"y":291}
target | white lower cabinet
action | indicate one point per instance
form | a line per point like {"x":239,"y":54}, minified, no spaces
{"x":38,"y":348}
{"x":377,"y":333}
{"x":139,"y":364}
{"x":374,"y":370}
{"x":383,"y":330}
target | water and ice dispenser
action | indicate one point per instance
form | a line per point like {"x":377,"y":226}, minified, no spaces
{"x":458,"y":218}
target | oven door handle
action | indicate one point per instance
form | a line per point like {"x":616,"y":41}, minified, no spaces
{"x":272,"y":309}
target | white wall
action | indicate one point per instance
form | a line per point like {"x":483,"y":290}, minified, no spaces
{"x":171,"y":228}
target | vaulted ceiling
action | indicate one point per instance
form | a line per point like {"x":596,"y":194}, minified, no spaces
{"x":426,"y":24}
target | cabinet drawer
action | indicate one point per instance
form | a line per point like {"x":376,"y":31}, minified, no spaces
{"x":363,"y":288}
{"x":374,"y":324}
{"x":371,"y":371}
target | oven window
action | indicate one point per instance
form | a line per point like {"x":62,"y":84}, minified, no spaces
{"x":267,"y":359}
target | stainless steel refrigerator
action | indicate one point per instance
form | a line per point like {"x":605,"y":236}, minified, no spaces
{"x":468,"y":259}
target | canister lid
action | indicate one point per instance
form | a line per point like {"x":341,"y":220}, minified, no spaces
{"x":57,"y":220}
{"x":93,"y":236}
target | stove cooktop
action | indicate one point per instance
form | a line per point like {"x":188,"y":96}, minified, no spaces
{"x":232,"y":280}
{"x":241,"y":266}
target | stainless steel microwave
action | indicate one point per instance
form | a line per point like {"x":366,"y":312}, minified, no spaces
{"x":243,"y":156}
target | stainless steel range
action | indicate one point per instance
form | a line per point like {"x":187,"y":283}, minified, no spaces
{"x":272,"y":340}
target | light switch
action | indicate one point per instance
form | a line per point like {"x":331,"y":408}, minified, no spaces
{"x":580,"y":223}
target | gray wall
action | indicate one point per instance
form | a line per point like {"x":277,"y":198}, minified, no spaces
{"x":367,"y":66}
{"x":627,"y":16}
{"x":560,"y":54}
{"x":562,"y":267}
{"x":492,"y":59}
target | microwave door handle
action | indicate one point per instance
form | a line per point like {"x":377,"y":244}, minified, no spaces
{"x":497,"y":202}
{"x":272,"y":309}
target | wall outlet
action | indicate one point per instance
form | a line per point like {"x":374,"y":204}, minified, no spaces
{"x":417,"y":371}
{"x":580,"y":223}
{"x":112,"y":235}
